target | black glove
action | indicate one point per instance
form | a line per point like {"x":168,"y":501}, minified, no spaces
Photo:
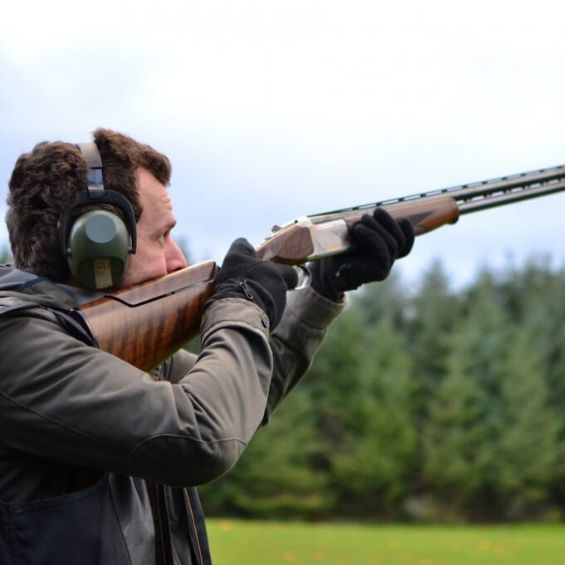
{"x":244,"y":275}
{"x":377,"y":241}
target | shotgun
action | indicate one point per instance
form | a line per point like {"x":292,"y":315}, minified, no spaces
{"x":146,"y":323}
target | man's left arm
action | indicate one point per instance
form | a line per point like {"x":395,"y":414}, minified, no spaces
{"x":377,"y":241}
{"x":294,"y":343}
{"x":296,"y":340}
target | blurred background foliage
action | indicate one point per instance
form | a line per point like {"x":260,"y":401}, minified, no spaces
{"x":424,"y":404}
{"x":5,"y":254}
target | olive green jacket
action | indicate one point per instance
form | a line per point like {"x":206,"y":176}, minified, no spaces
{"x":75,"y":418}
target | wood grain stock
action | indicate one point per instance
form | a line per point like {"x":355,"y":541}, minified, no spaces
{"x":294,"y":244}
{"x":290,"y":246}
{"x":146,"y":323}
{"x":427,"y":214}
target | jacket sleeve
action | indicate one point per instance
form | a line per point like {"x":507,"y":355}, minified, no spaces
{"x":65,"y":401}
{"x":294,"y":344}
{"x":296,"y":340}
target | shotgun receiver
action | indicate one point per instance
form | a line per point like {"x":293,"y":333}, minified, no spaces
{"x":146,"y":323}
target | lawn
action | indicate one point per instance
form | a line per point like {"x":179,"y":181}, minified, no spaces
{"x":269,"y":543}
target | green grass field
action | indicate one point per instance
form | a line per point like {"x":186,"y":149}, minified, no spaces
{"x":269,"y":543}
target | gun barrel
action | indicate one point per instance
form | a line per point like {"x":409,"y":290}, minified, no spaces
{"x":470,"y":197}
{"x":502,"y":197}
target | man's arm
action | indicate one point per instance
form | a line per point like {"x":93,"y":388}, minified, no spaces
{"x":377,"y":241}
{"x":294,"y":344}
{"x":75,"y":404}
{"x":296,"y":340}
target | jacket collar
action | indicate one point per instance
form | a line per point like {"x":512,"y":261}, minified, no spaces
{"x":42,"y":290}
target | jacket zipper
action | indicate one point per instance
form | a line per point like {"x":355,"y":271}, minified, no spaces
{"x":164,"y":522}
{"x":192,"y":526}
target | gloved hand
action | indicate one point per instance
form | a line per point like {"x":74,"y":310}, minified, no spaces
{"x":377,"y":241}
{"x":244,"y":275}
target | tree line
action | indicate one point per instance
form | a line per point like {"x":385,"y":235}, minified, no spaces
{"x":426,"y":404}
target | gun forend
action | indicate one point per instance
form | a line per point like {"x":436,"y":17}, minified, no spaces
{"x":311,"y":238}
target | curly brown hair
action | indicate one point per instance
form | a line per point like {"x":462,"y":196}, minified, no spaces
{"x":45,"y":182}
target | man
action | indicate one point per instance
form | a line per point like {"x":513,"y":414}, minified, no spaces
{"x":99,"y":460}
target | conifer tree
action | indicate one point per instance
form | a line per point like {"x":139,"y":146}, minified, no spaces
{"x":374,"y":466}
{"x":454,"y":436}
{"x":526,"y":446}
{"x":462,"y":433}
{"x":432,"y":318}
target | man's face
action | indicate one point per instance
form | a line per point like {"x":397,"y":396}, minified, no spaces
{"x":157,"y":253}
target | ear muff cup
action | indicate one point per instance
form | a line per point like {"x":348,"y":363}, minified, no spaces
{"x":98,"y":249}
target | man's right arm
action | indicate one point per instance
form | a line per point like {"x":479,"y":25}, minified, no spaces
{"x":75,"y":404}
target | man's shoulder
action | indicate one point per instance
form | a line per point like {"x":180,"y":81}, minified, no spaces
{"x":12,"y":278}
{"x":40,"y":290}
{"x":27,"y":295}
{"x":13,"y":304}
{"x":12,"y":283}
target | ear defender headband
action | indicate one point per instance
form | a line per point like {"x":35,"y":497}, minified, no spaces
{"x":97,"y":243}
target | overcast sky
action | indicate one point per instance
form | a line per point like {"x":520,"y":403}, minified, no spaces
{"x":271,"y":110}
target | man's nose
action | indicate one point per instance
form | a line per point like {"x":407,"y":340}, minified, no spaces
{"x":175,"y":258}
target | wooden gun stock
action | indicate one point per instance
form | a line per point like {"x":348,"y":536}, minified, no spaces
{"x":146,"y":323}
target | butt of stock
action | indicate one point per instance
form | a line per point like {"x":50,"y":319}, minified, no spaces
{"x":146,"y":323}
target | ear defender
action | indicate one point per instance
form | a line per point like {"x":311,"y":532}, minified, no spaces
{"x":97,"y":243}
